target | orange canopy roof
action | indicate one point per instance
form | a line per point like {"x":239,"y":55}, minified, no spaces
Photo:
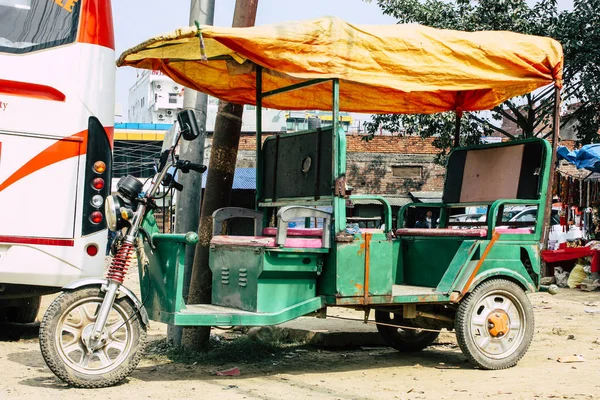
{"x":382,"y":69}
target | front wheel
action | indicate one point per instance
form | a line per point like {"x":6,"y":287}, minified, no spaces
{"x":494,"y":324}
{"x":65,"y":339}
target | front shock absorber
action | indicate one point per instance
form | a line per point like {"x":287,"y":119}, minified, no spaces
{"x":120,"y":263}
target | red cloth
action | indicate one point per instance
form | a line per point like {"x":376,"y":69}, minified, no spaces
{"x":596,"y":261}
{"x":570,"y":253}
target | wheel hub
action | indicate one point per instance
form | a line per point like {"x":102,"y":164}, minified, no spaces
{"x":88,"y":340}
{"x":498,"y":323}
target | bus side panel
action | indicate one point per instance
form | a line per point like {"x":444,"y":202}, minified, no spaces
{"x":38,"y":200}
{"x":55,"y":265}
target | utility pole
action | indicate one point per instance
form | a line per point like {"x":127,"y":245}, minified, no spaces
{"x":187,"y":213}
{"x":219,"y":181}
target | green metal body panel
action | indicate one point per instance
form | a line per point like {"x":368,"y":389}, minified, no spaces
{"x":285,"y":275}
{"x":504,"y":259}
{"x":426,"y":259}
{"x":344,"y":270}
{"x":381,"y":266}
{"x":258,"y":280}
{"x":161,"y":280}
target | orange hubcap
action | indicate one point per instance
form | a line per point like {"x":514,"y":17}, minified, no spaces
{"x":498,"y":323}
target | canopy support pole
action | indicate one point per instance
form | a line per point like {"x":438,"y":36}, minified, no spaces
{"x":259,"y":160}
{"x":459,"y":114}
{"x":339,"y":162}
{"x":548,"y":209}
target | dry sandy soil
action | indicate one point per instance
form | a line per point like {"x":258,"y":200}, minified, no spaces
{"x":298,"y":372}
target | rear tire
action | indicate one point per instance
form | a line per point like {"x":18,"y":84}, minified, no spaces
{"x":405,"y":340}
{"x":26,"y":313}
{"x":494,"y":324}
{"x":70,"y":318}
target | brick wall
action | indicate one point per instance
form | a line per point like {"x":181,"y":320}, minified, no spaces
{"x":369,"y":165}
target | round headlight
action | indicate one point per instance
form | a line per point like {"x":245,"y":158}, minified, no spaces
{"x":111,"y":210}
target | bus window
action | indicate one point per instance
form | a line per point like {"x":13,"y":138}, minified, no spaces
{"x":29,"y":25}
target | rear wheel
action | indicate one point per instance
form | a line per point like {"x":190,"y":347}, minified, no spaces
{"x":494,"y":324}
{"x":26,"y":313}
{"x":405,"y":340}
{"x":69,"y":351}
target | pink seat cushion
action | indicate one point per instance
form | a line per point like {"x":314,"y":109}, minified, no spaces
{"x":441,"y":232}
{"x":514,"y":230}
{"x":295,"y":232}
{"x":263,"y":241}
{"x":371,"y":230}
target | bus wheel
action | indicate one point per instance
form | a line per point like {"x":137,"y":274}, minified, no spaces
{"x":26,"y":313}
{"x":65,"y":339}
{"x":494,"y":324}
{"x":405,"y":340}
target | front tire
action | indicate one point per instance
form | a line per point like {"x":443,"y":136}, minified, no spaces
{"x":495,"y":324}
{"x":405,"y":340}
{"x":70,"y":319}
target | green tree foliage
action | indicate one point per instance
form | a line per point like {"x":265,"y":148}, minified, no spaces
{"x":578,"y":30}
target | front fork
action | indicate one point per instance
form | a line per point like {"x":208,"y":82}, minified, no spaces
{"x":115,"y":277}
{"x":116,"y":274}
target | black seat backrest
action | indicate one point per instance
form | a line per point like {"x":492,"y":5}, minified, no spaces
{"x":298,"y":165}
{"x":491,"y":172}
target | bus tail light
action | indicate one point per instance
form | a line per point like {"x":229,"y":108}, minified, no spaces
{"x":98,"y":174}
{"x":99,"y":167}
{"x":98,"y":183}
{"x":96,"y":217}
{"x":91,"y":250}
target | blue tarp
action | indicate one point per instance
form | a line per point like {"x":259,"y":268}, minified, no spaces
{"x":243,"y":179}
{"x":587,"y":157}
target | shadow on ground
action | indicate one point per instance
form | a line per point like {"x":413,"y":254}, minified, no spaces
{"x":259,"y":359}
{"x":10,"y":332}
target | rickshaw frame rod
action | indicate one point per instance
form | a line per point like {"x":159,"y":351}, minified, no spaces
{"x":392,"y":325}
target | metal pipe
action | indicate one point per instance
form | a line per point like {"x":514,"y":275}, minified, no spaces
{"x":555,"y":138}
{"x":259,"y":160}
{"x":459,"y":115}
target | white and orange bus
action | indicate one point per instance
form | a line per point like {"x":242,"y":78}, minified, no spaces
{"x":57,"y":83}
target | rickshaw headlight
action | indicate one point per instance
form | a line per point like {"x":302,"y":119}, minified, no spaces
{"x":111,"y":210}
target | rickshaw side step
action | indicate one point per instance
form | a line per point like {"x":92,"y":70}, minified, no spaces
{"x":408,"y":290}
{"x":212,"y":309}
{"x":213,"y":315}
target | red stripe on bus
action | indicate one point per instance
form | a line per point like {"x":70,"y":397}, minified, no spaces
{"x":63,"y":149}
{"x":96,"y":26}
{"x":34,"y":90}
{"x":110,"y":133}
{"x":37,"y":241}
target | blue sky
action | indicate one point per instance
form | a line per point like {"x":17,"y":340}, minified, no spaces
{"x":138,"y":20}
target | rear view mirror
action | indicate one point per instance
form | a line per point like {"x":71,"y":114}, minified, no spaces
{"x":188,"y":125}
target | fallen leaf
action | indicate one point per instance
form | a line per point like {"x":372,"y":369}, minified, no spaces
{"x":235,"y":371}
{"x":447,"y":367}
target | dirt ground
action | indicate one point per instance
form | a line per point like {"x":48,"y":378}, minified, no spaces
{"x":566,"y":324}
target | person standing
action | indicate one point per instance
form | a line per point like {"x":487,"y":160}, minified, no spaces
{"x":427,"y":222}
